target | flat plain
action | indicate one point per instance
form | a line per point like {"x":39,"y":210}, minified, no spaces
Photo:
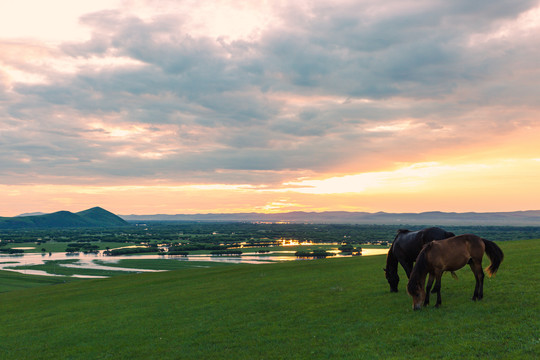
{"x":316,"y":309}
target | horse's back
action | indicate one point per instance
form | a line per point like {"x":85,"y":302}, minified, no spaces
{"x":435,"y":233}
{"x":454,"y":253}
{"x":469,"y":241}
{"x":408,"y":244}
{"x":476,"y":245}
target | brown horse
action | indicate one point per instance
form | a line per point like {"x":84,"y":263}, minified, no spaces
{"x":450,"y":255}
{"x":405,"y":249}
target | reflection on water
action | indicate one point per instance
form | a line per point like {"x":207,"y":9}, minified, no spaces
{"x":86,"y":261}
{"x":368,"y":252}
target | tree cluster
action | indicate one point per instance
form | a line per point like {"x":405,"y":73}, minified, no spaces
{"x":135,"y":250}
{"x":85,"y":247}
{"x":226,"y":252}
{"x":319,"y":254}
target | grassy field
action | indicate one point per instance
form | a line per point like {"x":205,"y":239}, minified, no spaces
{"x":55,"y":267}
{"x":320,"y":309}
{"x":10,"y":281}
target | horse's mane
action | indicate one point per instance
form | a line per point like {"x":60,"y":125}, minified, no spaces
{"x":418,"y":269}
{"x":391,"y":259}
{"x":390,"y":251}
{"x":402,"y":231}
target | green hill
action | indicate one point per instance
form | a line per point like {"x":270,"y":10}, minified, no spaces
{"x":320,"y":309}
{"x":94,"y":217}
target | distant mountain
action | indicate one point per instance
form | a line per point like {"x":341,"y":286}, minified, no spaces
{"x":32,"y":214}
{"x":523,"y":218}
{"x":94,"y":217}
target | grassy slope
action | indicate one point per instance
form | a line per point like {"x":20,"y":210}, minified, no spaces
{"x":335,"y":308}
{"x":10,"y":281}
{"x":55,"y":267}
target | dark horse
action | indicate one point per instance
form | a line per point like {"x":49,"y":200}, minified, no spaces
{"x":450,"y":255}
{"x":405,"y":249}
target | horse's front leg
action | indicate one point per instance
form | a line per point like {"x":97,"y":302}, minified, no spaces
{"x":407,"y":267}
{"x":428,"y":288}
{"x":437,"y":288}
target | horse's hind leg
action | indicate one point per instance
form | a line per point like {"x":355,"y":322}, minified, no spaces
{"x":428,"y":288}
{"x":476,"y":267}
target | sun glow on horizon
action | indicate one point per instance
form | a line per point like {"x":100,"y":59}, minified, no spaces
{"x":496,"y":185}
{"x":405,"y":179}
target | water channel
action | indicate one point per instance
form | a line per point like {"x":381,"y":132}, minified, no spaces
{"x":87,"y":261}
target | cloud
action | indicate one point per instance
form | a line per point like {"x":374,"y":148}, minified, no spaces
{"x":326,"y":87}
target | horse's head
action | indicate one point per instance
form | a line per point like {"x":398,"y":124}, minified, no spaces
{"x":416,"y":290}
{"x":417,"y":280}
{"x":393,"y":279}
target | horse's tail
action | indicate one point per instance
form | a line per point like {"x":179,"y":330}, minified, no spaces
{"x":495,"y":254}
{"x":419,"y":268}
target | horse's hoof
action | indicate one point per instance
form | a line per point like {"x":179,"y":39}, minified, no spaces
{"x":437,"y":305}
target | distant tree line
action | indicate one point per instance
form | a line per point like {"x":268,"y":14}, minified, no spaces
{"x":183,"y":236}
{"x":11,"y":251}
{"x":195,"y":247}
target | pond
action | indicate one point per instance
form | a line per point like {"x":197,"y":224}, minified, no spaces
{"x":87,"y":261}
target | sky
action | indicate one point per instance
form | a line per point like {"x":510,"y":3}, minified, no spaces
{"x":225,"y":106}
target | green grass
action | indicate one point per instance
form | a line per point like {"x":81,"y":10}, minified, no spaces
{"x":320,"y":309}
{"x":10,"y":281}
{"x":13,"y":281}
{"x":55,"y":267}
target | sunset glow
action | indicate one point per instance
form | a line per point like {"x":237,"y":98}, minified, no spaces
{"x":147,"y":107}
